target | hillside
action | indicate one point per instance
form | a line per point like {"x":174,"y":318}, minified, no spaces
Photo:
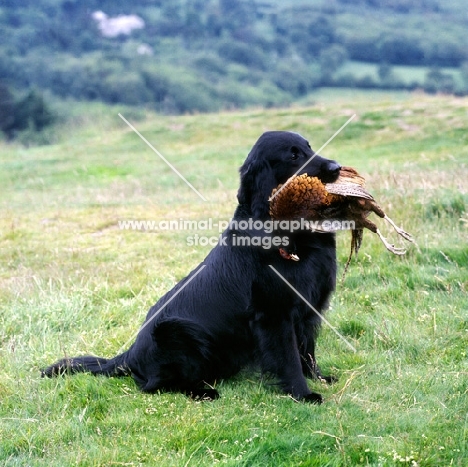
{"x":72,"y":281}
{"x":190,"y":55}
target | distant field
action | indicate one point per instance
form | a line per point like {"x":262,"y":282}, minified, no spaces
{"x":72,"y":282}
{"x":408,"y":74}
{"x":337,"y":95}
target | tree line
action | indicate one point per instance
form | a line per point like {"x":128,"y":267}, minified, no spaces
{"x":206,"y":55}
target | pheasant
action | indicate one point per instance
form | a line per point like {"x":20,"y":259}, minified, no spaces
{"x":305,"y":197}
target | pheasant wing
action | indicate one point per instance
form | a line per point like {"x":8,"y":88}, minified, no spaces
{"x":348,"y":189}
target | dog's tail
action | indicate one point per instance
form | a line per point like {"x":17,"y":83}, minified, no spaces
{"x":116,"y":366}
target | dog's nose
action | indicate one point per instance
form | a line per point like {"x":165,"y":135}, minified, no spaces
{"x":330,"y":171}
{"x":333,"y":168}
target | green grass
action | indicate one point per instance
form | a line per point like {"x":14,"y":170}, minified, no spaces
{"x":72,"y":282}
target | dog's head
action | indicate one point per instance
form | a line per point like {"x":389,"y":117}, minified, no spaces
{"x":276,"y":156}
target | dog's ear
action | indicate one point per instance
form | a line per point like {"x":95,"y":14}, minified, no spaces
{"x":256,"y":184}
{"x":244,"y":194}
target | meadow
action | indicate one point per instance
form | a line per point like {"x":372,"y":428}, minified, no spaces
{"x":72,"y":282}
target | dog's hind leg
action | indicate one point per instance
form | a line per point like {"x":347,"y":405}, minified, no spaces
{"x":185,"y":359}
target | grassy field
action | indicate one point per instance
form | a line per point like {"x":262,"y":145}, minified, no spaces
{"x":72,"y":282}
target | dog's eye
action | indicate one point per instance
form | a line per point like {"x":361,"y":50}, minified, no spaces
{"x":294,"y":153}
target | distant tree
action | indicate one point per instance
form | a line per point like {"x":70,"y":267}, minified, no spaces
{"x":309,"y":34}
{"x":211,"y":64}
{"x":401,"y":50}
{"x":7,"y":107}
{"x":464,"y":73}
{"x":385,"y":71}
{"x":242,"y":53}
{"x":28,"y":113}
{"x":322,"y":29}
{"x":157,"y":80}
{"x":332,"y":58}
{"x":194,"y":26}
{"x":172,"y":22}
{"x":436,"y":81}
{"x":296,"y":78}
{"x":32,"y":112}
{"x":236,"y":13}
{"x":214,"y":21}
{"x":446,"y":53}
{"x":128,"y":87}
{"x":280,"y":44}
{"x":364,"y":49}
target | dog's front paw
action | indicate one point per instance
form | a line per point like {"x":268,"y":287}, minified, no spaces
{"x":313,"y":398}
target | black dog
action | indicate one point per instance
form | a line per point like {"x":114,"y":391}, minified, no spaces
{"x":234,"y":310}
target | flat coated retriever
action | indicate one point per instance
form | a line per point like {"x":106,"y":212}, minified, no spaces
{"x":234,"y":310}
